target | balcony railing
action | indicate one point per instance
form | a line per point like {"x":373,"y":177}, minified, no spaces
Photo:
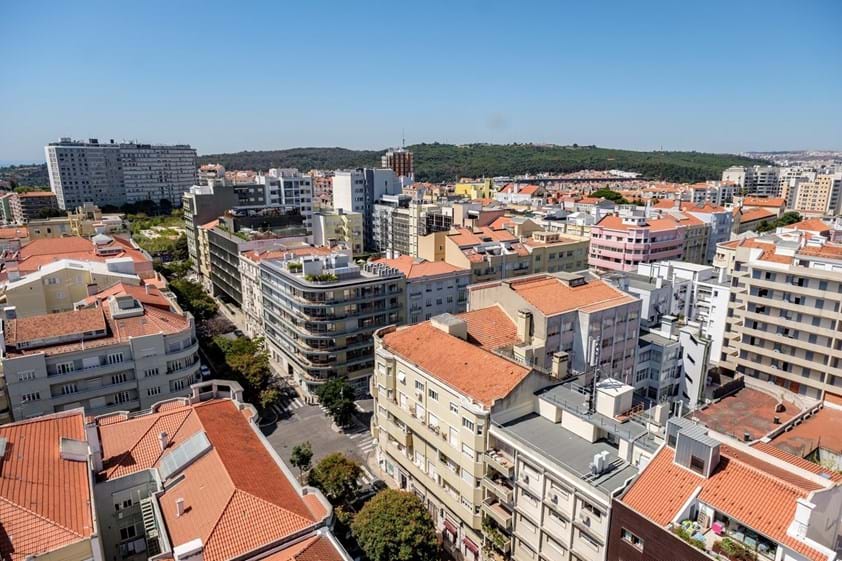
{"x":498,"y":512}
{"x":499,"y":462}
{"x":500,"y":489}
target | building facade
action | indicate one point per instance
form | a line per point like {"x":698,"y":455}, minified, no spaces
{"x":116,"y":174}
{"x":622,"y":243}
{"x":319,"y":313}
{"x":337,"y":226}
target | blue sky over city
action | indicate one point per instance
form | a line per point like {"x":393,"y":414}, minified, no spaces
{"x":712,"y":76}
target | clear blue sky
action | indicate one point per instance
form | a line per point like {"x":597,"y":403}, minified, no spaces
{"x":715,"y":76}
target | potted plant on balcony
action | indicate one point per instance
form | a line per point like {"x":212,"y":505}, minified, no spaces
{"x":734,"y":550}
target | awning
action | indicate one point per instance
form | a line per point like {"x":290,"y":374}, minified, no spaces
{"x":472,"y":547}
{"x":450,"y":527}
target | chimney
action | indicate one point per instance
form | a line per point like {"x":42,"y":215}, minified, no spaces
{"x":147,"y":288}
{"x":561,"y":362}
{"x":163,"y":439}
{"x":92,"y":289}
{"x":179,"y":507}
{"x":524,"y":326}
{"x":803,"y":512}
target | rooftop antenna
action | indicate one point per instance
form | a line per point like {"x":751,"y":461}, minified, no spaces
{"x":403,"y":138}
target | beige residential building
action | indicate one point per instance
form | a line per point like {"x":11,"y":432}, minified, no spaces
{"x":204,"y":253}
{"x":585,"y":323}
{"x":57,"y":286}
{"x":432,"y":413}
{"x":337,"y":226}
{"x":820,"y":196}
{"x":122,"y":349}
{"x":783,"y":322}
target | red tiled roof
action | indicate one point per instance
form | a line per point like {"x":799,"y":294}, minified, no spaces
{"x":761,"y":202}
{"x":315,"y":548}
{"x":36,"y":194}
{"x":743,"y":487}
{"x":14,"y":233}
{"x":821,"y":430}
{"x":490,"y":328}
{"x":22,"y":330}
{"x":810,"y":225}
{"x":613,"y":222}
{"x":456,"y":362}
{"x":465,"y":237}
{"x":806,"y":465}
{"x":754,"y":214}
{"x":413,"y":268}
{"x":44,"y":499}
{"x":237,"y":498}
{"x":37,"y":253}
{"x":552,"y":296}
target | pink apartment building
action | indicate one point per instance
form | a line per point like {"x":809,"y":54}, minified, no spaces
{"x":622,"y":243}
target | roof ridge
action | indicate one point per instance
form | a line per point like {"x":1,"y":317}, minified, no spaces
{"x":40,"y":516}
{"x":276,"y":506}
{"x":146,"y":432}
{"x":757,"y":470}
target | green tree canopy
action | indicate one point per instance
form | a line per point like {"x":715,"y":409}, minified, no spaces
{"x":302,"y":456}
{"x":337,"y":396}
{"x":395,"y":526}
{"x":337,"y":476}
{"x":613,"y":196}
{"x":786,"y":219}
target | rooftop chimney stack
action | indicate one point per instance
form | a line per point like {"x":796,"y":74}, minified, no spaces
{"x":163,"y":439}
{"x":179,"y":507}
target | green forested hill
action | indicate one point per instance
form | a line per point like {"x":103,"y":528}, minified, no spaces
{"x":445,"y":162}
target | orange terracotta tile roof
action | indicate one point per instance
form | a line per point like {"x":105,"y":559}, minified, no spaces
{"x":413,"y":268}
{"x":456,"y":362}
{"x":667,"y":203}
{"x":821,"y":430}
{"x":743,"y":487}
{"x":490,"y":328}
{"x":810,"y":225}
{"x":210,"y":225}
{"x":14,"y":233}
{"x":237,"y":498}
{"x":754,"y":214}
{"x":258,"y":255}
{"x":22,"y":330}
{"x":315,"y":548}
{"x":761,"y":202}
{"x":589,"y":200}
{"x":702,"y":208}
{"x":152,"y":297}
{"x":37,"y":253}
{"x":465,"y":237}
{"x":501,"y":222}
{"x":613,"y":222}
{"x":829,"y":251}
{"x":552,"y":296}
{"x":45,"y":501}
{"x":801,"y":463}
{"x":36,"y":194}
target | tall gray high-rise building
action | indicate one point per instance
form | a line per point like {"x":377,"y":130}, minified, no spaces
{"x":116,"y":174}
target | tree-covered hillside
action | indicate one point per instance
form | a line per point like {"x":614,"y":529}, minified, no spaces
{"x":446,"y":162}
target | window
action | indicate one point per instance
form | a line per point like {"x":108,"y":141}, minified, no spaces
{"x":65,"y":367}
{"x":128,"y":533}
{"x":114,"y":358}
{"x":468,"y":451}
{"x":454,"y":408}
{"x":26,"y":375}
{"x":419,"y":385}
{"x":433,"y":394}
{"x":155,"y":390}
{"x":33,"y":396}
{"x":697,"y":464}
{"x":468,"y":424}
{"x":632,"y":539}
{"x":149,"y":372}
{"x":69,"y":389}
{"x":119,"y":378}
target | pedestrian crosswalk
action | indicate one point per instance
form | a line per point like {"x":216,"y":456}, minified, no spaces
{"x":364,"y":441}
{"x":287,"y":403}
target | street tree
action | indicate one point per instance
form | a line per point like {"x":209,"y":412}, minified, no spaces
{"x":337,"y":476}
{"x":302,"y":457}
{"x":395,"y":526}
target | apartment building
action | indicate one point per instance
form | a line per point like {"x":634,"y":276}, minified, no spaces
{"x":20,"y":208}
{"x":338,"y":226}
{"x":432,"y":414}
{"x":116,"y":174}
{"x":820,"y":196}
{"x":622,"y":243}
{"x":250,"y":278}
{"x":399,"y":223}
{"x":496,"y":253}
{"x":202,"y":204}
{"x":719,"y":221}
{"x":400,"y":161}
{"x":703,"y":495}
{"x":121,"y":349}
{"x":552,"y":466}
{"x":763,"y":181}
{"x":322,"y":189}
{"x":786,"y":292}
{"x":358,"y":190}
{"x":587,"y":323}
{"x":515,"y":193}
{"x":194,"y":478}
{"x":119,"y":253}
{"x":290,"y":190}
{"x":319,"y":313}
{"x":47,"y":491}
{"x":432,"y":288}
{"x":59,"y":285}
{"x":475,"y":188}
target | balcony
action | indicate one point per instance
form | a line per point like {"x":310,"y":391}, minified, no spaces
{"x":499,"y":462}
{"x":499,"y":488}
{"x":498,"y":512}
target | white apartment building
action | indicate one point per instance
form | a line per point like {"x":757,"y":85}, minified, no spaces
{"x":432,"y":413}
{"x":587,"y":322}
{"x":116,"y":174}
{"x":783,"y":324}
{"x":358,"y":190}
{"x":120,"y":350}
{"x":290,"y":189}
{"x":553,"y":464}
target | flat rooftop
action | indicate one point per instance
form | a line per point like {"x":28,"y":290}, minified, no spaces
{"x":571,"y":452}
{"x":748,"y":410}
{"x":822,"y":430}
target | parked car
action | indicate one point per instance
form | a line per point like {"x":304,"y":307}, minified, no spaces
{"x":205,"y":371}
